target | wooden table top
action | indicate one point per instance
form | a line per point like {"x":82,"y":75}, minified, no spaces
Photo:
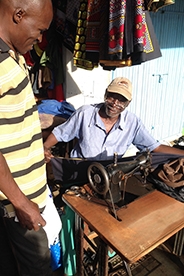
{"x":145,"y":223}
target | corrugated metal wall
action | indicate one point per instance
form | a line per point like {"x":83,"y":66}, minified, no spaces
{"x":158,"y":85}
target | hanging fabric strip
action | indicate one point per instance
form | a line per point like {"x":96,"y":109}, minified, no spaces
{"x":66,"y":21}
{"x":117,"y":12}
{"x":151,"y":49}
{"x":80,"y":55}
{"x":93,"y":27}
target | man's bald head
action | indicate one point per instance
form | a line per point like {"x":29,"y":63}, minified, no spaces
{"x":22,"y":22}
{"x":25,"y":4}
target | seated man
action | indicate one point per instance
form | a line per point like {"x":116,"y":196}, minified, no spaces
{"x":105,"y":128}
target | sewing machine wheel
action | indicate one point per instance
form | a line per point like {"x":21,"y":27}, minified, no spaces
{"x":98,"y":178}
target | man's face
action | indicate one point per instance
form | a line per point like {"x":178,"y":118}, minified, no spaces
{"x":115,"y":104}
{"x":30,"y":29}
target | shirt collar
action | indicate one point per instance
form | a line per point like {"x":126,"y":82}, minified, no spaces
{"x":4,"y":48}
{"x":122,"y":119}
{"x":97,"y":121}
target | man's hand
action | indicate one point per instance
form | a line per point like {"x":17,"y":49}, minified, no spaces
{"x":48,"y":154}
{"x":29,"y":215}
{"x":48,"y":144}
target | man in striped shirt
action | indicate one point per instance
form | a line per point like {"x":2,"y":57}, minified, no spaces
{"x":23,"y":190}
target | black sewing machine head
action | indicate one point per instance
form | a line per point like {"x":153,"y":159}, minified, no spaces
{"x":108,"y":181}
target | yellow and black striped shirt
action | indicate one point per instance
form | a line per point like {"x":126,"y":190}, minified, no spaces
{"x":20,"y":132}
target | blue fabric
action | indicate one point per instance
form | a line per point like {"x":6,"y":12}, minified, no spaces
{"x":56,"y":254}
{"x":54,"y":107}
{"x":94,"y":143}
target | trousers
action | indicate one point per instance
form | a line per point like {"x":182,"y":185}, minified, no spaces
{"x":26,"y":252}
{"x":8,"y":265}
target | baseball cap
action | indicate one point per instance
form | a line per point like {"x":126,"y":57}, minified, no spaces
{"x":121,"y":86}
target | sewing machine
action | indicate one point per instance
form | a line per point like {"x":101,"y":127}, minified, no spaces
{"x":110,"y":181}
{"x":107,"y":184}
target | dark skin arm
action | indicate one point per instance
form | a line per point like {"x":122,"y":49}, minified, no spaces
{"x":50,"y":142}
{"x":27,"y":211}
{"x":169,"y":150}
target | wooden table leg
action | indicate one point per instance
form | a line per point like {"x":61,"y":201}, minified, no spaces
{"x":178,"y":243}
{"x":103,"y":259}
{"x":79,"y":243}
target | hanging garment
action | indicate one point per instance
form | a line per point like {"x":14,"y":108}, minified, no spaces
{"x":132,"y":39}
{"x":94,"y":11}
{"x":117,"y":11}
{"x":66,"y":21}
{"x":113,"y":34}
{"x":150,"y":48}
{"x":80,"y":54}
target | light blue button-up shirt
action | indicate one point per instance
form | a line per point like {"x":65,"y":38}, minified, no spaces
{"x":86,"y":125}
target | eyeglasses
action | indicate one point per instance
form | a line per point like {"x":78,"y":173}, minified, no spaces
{"x":119,"y":104}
